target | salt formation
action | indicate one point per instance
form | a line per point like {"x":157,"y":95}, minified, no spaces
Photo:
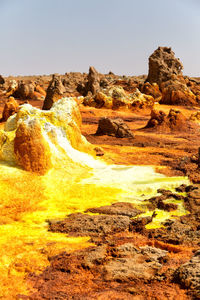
{"x":34,"y":139}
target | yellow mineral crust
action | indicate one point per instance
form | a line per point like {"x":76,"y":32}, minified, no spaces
{"x":30,"y":138}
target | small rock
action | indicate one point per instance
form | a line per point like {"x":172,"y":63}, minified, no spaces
{"x":188,"y":275}
{"x":114,"y":127}
{"x":119,"y":208}
{"x":2,"y":80}
{"x":10,"y":108}
{"x":55,"y":91}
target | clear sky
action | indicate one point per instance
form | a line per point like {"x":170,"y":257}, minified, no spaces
{"x":58,"y":36}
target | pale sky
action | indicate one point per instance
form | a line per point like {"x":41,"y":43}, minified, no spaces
{"x":58,"y":36}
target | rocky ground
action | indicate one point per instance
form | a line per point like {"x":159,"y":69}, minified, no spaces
{"x":126,"y":126}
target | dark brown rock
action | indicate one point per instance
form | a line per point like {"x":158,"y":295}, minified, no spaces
{"x":55,"y":91}
{"x":188,"y":275}
{"x":96,"y":225}
{"x":174,"y":121}
{"x":119,"y":208}
{"x":114,"y":127}
{"x":24,"y":90}
{"x":93,"y":82}
{"x":163,"y":64}
{"x":133,"y":264}
{"x":2,"y":80}
{"x":179,"y":232}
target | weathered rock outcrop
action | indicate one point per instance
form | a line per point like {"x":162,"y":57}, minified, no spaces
{"x":152,"y":90}
{"x":79,"y":224}
{"x":131,"y":263}
{"x":194,"y":85}
{"x":55,"y":91}
{"x":188,"y":275}
{"x":2,"y":80}
{"x":115,"y":97}
{"x":115,"y":127}
{"x":174,"y":121}
{"x":93,"y":81}
{"x":24,"y":90}
{"x":31,"y":149}
{"x":118,"y":208}
{"x":162,"y":65}
{"x":176,"y":92}
{"x":35,"y":139}
{"x":12,"y":86}
{"x":119,"y":97}
{"x":141,"y":101}
{"x":10,"y":108}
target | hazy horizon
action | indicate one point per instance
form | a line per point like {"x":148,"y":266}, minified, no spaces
{"x":59,"y":36}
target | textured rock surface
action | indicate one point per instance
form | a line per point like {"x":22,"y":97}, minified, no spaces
{"x":119,"y":97}
{"x":174,"y":121}
{"x":102,"y":272}
{"x":133,"y":264}
{"x":2,"y":80}
{"x":12,"y":86}
{"x":10,"y":108}
{"x":93,"y":82}
{"x":24,"y":90}
{"x":83,"y":225}
{"x":31,"y":136}
{"x":31,"y":149}
{"x":55,"y":91}
{"x":188,"y":275}
{"x":176,"y":92}
{"x":152,"y":90}
{"x":163,"y":64}
{"x":115,"y":97}
{"x":141,"y":101}
{"x":115,"y":127}
{"x":119,"y":208}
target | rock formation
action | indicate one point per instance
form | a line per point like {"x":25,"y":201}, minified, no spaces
{"x":119,"y":97}
{"x":188,"y":275}
{"x":35,"y":139}
{"x":194,"y":85}
{"x":12,"y":87}
{"x":162,"y":65}
{"x":31,"y":149}
{"x":141,"y":101}
{"x":174,"y":121}
{"x":2,"y":80}
{"x":55,"y":91}
{"x":115,"y":97}
{"x":114,"y":127}
{"x":93,"y":81}
{"x":24,"y":90}
{"x":10,"y":108}
{"x":176,"y":92}
{"x":152,"y":90}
